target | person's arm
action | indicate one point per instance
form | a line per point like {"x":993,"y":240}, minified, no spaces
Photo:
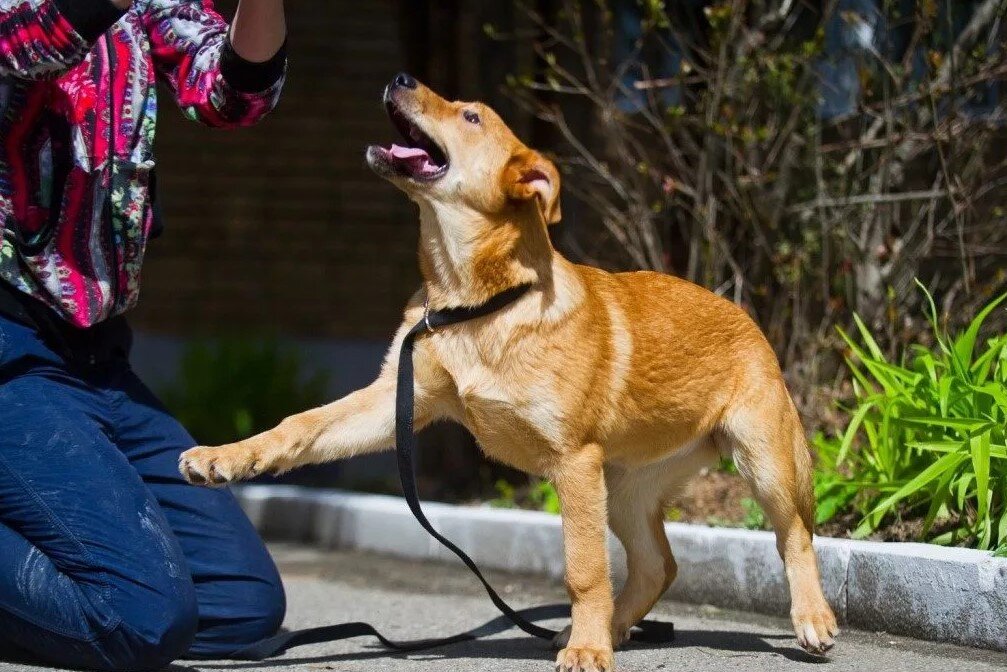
{"x":222,"y":77}
{"x":41,"y":39}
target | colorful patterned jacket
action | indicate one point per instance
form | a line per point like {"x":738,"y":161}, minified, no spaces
{"x":77,"y":111}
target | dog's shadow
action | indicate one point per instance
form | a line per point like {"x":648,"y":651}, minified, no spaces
{"x":521,"y":648}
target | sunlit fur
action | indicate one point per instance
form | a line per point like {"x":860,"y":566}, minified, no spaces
{"x":617,"y":387}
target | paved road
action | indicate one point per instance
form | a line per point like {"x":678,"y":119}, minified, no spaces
{"x":410,"y":600}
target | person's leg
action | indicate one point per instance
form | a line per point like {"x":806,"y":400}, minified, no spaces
{"x":90,"y":574}
{"x":240,"y":596}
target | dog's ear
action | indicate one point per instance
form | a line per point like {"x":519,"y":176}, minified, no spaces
{"x":531,"y":175}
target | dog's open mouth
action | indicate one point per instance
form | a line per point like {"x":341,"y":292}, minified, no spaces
{"x":420,"y":158}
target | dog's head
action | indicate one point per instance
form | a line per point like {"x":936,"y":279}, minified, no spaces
{"x":463,"y":154}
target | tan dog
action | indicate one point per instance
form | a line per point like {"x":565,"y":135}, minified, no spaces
{"x":616,"y":387}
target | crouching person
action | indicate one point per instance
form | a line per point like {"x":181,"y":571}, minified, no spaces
{"x":108,"y":560}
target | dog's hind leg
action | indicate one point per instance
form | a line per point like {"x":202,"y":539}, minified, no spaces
{"x":636,"y":516}
{"x":764,"y":434}
{"x":636,"y":507}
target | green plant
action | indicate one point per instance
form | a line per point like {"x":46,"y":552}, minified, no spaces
{"x":506,"y":495}
{"x":543,"y":495}
{"x":232,"y":388}
{"x":926,"y":438}
{"x":725,"y":169}
{"x":755,"y":517}
{"x":539,"y":494}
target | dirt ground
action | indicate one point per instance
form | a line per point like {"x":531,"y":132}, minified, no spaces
{"x":718,"y":498}
{"x":712,"y":498}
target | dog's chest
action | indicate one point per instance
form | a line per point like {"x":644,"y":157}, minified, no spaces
{"x":509,"y":404}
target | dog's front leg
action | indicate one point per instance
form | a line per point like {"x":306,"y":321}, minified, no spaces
{"x":359,"y":423}
{"x":362,"y":422}
{"x":580,"y":483}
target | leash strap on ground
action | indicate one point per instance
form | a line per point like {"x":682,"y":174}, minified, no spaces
{"x":273,"y":646}
{"x":405,"y":449}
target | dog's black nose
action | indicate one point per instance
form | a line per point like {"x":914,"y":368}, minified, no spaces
{"x":404,"y":80}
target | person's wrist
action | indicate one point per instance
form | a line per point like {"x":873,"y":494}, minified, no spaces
{"x":248,"y":76}
{"x":122,"y":4}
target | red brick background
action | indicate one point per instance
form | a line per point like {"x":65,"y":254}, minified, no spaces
{"x":283,"y":227}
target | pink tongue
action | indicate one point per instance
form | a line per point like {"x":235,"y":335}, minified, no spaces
{"x":418,"y":159}
{"x":407,"y":152}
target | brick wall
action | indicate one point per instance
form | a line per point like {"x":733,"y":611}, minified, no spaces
{"x":283,"y":227}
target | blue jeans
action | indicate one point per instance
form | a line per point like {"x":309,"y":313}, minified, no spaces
{"x":108,"y":559}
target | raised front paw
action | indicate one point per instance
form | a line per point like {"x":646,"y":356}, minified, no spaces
{"x":217,"y":466}
{"x":585,"y":659}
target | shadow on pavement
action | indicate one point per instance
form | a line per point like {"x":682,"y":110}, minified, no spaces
{"x":524,"y":648}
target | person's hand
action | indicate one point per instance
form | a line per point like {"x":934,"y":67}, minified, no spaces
{"x":122,"y":4}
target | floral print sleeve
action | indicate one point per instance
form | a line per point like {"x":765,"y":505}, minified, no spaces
{"x":41,"y":39}
{"x":212,"y":84}
{"x":78,"y":103}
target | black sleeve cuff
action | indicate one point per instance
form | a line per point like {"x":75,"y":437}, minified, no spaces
{"x":90,"y":18}
{"x":248,"y":76}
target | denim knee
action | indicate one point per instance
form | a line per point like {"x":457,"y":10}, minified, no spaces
{"x":151,"y":637}
{"x":267,"y":612}
{"x":252,"y":613}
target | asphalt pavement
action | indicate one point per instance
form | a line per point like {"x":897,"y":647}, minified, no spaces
{"x":409,"y":600}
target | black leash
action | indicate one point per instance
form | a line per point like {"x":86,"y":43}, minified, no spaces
{"x":405,"y":449}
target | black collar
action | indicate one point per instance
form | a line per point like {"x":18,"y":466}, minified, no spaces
{"x":432,"y":319}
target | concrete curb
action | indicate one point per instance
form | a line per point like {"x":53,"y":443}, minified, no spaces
{"x":920,"y":590}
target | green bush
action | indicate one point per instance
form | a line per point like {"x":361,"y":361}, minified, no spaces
{"x":925,"y":440}
{"x":723,"y":169}
{"x":539,"y":495}
{"x":232,"y":388}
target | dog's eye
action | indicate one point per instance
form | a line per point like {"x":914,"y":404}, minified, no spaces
{"x":471,"y":116}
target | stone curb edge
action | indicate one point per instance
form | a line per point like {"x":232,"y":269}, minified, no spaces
{"x":920,"y":590}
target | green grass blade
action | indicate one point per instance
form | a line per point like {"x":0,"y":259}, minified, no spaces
{"x":997,"y":451}
{"x":926,"y":359}
{"x":916,"y":484}
{"x":981,"y":466}
{"x":932,"y":318}
{"x":983,"y":365}
{"x":968,"y":426}
{"x":865,"y":334}
{"x":944,"y":394}
{"x":1002,"y":531}
{"x":941,"y":495}
{"x":965,"y":344}
{"x":851,"y":431}
{"x":998,"y":392}
{"x":963,"y":489}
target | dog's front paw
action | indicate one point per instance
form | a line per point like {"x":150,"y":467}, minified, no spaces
{"x":217,"y":466}
{"x":585,"y":659}
{"x":815,"y":629}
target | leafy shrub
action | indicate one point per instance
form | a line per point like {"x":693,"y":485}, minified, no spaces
{"x":755,"y":517}
{"x":539,"y":495}
{"x":925,"y":439}
{"x":703,"y":151}
{"x":233,"y":388}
